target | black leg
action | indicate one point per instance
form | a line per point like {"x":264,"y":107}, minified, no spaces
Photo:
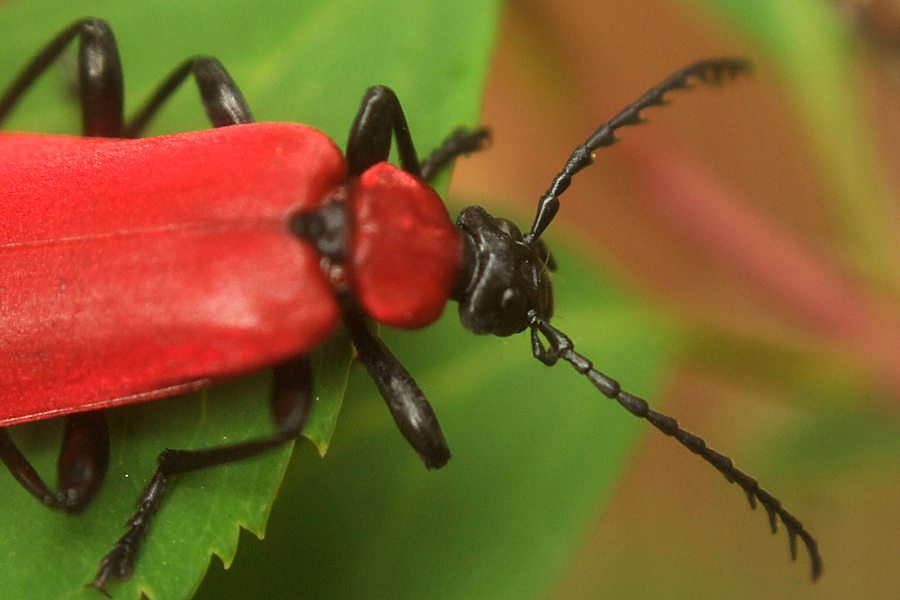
{"x":290,"y":403}
{"x":380,"y":114}
{"x":99,"y":77}
{"x":460,"y":142}
{"x":411,"y":410}
{"x":560,"y":346}
{"x":221,"y":98}
{"x":82,"y":464}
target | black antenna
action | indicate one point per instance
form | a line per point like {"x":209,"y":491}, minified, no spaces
{"x":713,"y":71}
{"x":560,"y":346}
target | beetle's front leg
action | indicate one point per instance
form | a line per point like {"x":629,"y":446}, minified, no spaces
{"x":411,"y":410}
{"x":459,"y":143}
{"x":369,"y":143}
{"x":381,"y":115}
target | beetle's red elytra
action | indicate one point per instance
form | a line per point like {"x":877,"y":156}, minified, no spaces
{"x":140,"y":292}
{"x":198,"y":257}
{"x":160,"y":257}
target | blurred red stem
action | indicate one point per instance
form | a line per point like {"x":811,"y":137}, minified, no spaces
{"x":801,"y":284}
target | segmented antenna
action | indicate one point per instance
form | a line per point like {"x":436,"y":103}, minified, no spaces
{"x":713,"y":71}
{"x":560,"y":346}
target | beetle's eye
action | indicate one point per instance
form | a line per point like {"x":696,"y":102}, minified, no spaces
{"x":510,"y":317}
{"x":509,"y":228}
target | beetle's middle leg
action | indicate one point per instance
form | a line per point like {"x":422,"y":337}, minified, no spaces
{"x":221,"y":98}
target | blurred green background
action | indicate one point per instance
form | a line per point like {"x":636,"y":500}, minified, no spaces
{"x":735,"y":261}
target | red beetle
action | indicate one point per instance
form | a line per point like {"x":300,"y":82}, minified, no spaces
{"x":136,"y":269}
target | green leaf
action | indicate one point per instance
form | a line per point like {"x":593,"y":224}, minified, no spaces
{"x":305,"y":61}
{"x":536,"y":452}
{"x":199,"y":514}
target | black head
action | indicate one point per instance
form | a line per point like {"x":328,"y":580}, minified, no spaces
{"x":504,"y":278}
{"x":504,"y":288}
